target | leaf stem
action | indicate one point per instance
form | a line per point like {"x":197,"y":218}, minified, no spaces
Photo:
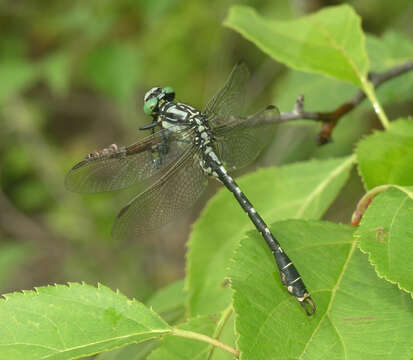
{"x":225,"y":315}
{"x":205,"y":338}
{"x":364,"y":203}
{"x":371,"y":94}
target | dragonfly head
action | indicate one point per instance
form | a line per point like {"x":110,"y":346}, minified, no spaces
{"x":155,"y":97}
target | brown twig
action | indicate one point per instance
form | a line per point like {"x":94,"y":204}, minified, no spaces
{"x":331,"y":118}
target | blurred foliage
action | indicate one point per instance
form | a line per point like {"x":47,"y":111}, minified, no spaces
{"x":73,"y":75}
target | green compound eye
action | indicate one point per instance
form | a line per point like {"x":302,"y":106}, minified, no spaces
{"x":169,"y":93}
{"x":150,"y":105}
{"x":168,"y":90}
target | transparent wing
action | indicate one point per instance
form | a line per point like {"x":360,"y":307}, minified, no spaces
{"x":174,"y":192}
{"x":119,"y":167}
{"x":240,"y":140}
{"x":230,"y":99}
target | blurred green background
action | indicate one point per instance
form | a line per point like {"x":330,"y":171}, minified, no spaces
{"x":72,"y":79}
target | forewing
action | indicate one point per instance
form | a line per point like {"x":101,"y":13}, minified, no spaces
{"x":128,"y":165}
{"x":230,"y":99}
{"x":176,"y":191}
{"x":241,"y":140}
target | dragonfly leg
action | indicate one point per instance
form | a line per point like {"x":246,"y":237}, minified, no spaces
{"x":106,"y":152}
{"x":158,"y":152}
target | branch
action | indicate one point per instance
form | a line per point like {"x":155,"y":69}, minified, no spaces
{"x":205,"y":338}
{"x":225,"y":315}
{"x":330,"y":119}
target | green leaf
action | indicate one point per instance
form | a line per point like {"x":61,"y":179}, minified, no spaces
{"x":329,"y":42}
{"x":386,"y":157}
{"x":314,"y":88}
{"x":69,"y":322}
{"x":130,"y":352}
{"x":302,"y":190}
{"x":226,"y":335}
{"x":169,"y":302}
{"x":359,"y":316}
{"x":386,"y":234}
{"x":396,"y":90}
{"x":172,"y":347}
{"x":390,"y":50}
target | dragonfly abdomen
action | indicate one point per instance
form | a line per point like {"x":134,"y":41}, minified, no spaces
{"x":290,"y":277}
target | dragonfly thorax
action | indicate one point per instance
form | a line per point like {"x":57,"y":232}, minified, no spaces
{"x":178,"y":116}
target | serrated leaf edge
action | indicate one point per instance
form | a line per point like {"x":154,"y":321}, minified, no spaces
{"x":369,"y":254}
{"x":37,"y":292}
{"x":376,"y":132}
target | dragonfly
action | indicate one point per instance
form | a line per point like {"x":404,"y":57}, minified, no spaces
{"x":186,"y":147}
